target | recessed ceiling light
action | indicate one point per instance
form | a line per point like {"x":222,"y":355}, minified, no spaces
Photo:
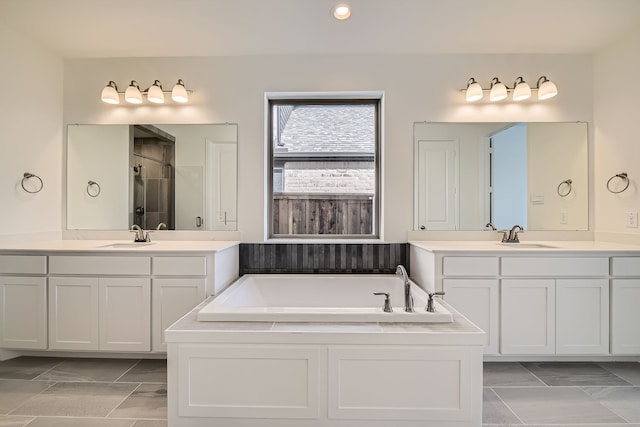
{"x":341,"y":11}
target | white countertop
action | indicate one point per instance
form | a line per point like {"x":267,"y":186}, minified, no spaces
{"x":541,"y":247}
{"x":119,"y":246}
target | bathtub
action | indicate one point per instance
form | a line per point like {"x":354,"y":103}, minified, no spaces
{"x":319,"y":298}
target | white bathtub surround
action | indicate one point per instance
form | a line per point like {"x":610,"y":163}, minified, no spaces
{"x":320,"y":298}
{"x":324,"y":374}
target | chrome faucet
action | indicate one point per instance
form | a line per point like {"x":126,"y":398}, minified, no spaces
{"x":408,"y":299}
{"x":161,"y":226}
{"x":141,"y":236}
{"x":512,"y":235}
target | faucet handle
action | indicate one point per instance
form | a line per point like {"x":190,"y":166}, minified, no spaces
{"x":430,"y":305}
{"x":387,"y":302}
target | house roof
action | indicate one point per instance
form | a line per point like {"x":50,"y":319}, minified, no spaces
{"x":330,"y":129}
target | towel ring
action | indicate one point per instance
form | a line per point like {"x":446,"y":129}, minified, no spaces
{"x":623,"y":176}
{"x":91,"y":184}
{"x":28,"y":176}
{"x":568,"y":183}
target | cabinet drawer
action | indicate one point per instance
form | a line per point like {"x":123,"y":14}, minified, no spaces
{"x":180,"y":266}
{"x":100,"y":265}
{"x":555,"y":267}
{"x":23,"y":264}
{"x":470,"y":266}
{"x":625,"y":266}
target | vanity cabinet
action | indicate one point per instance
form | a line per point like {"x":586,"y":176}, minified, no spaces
{"x":625,"y":305}
{"x":23,"y":295}
{"x":540,"y":305}
{"x":121,"y":301}
{"x":110,"y":314}
{"x":527,"y":316}
{"x":23,"y":312}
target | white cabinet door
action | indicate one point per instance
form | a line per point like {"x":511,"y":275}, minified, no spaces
{"x":478,"y":300}
{"x":528,"y":316}
{"x":125,"y":314}
{"x":582,"y":316}
{"x":173,"y":298}
{"x":23,"y":312}
{"x":73,"y":313}
{"x":625,"y":316}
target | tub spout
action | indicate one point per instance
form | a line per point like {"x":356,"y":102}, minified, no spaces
{"x":408,"y":298}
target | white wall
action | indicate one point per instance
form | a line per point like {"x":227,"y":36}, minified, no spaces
{"x":617,"y":148}
{"x":30,"y":136}
{"x":417,"y":88}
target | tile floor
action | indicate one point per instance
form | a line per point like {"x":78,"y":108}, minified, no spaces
{"x":58,"y":392}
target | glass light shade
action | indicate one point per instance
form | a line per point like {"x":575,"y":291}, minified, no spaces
{"x":342,"y":11}
{"x":154,"y":94}
{"x":110,"y":94}
{"x":522,"y":91}
{"x":547,"y":90}
{"x":498,"y":92}
{"x":179,"y":92}
{"x":132,"y":95}
{"x":474,"y":92}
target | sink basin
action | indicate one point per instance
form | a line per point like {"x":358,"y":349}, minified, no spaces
{"x":127,"y":245}
{"x":527,"y":246}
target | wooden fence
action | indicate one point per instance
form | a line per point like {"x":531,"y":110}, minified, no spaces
{"x":304,"y":214}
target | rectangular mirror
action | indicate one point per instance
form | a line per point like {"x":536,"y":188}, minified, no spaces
{"x":183,"y":176}
{"x":469,"y":175}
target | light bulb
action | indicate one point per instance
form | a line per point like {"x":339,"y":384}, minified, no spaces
{"x":110,"y":94}
{"x":521,"y":90}
{"x":498,"y":90}
{"x":154,"y":94}
{"x":179,"y":92}
{"x":132,"y":95}
{"x":474,"y":90}
{"x":547,"y":89}
{"x":342,"y":11}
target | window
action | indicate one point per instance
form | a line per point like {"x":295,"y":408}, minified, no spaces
{"x":324,"y":169}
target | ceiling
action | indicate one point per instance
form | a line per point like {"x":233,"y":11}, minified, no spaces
{"x":151,"y":28}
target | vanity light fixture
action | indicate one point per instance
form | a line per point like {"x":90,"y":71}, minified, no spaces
{"x":521,"y":90}
{"x":132,"y":95}
{"x":498,"y":90}
{"x":341,"y":11}
{"x":155,"y":93}
{"x":110,"y":93}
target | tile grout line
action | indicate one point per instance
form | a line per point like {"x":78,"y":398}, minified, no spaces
{"x":507,"y":406}
{"x":48,"y":370}
{"x":127,"y":371}
{"x":123,"y":400}
{"x":31,"y":398}
{"x":536,"y":377}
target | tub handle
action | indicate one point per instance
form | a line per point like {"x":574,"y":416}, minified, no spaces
{"x":387,"y":302}
{"x":430,"y":306}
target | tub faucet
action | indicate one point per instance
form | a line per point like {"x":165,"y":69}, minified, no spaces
{"x":512,"y":235}
{"x":408,"y":299}
{"x":141,"y":236}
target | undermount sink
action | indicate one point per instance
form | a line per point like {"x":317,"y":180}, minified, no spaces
{"x":127,"y":245}
{"x":527,"y":245}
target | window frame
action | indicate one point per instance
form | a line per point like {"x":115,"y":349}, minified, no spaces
{"x":324,"y":98}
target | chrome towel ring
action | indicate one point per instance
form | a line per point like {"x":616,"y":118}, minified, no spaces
{"x":26,"y":177}
{"x":90,"y":185}
{"x":567,"y":183}
{"x":623,"y":176}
